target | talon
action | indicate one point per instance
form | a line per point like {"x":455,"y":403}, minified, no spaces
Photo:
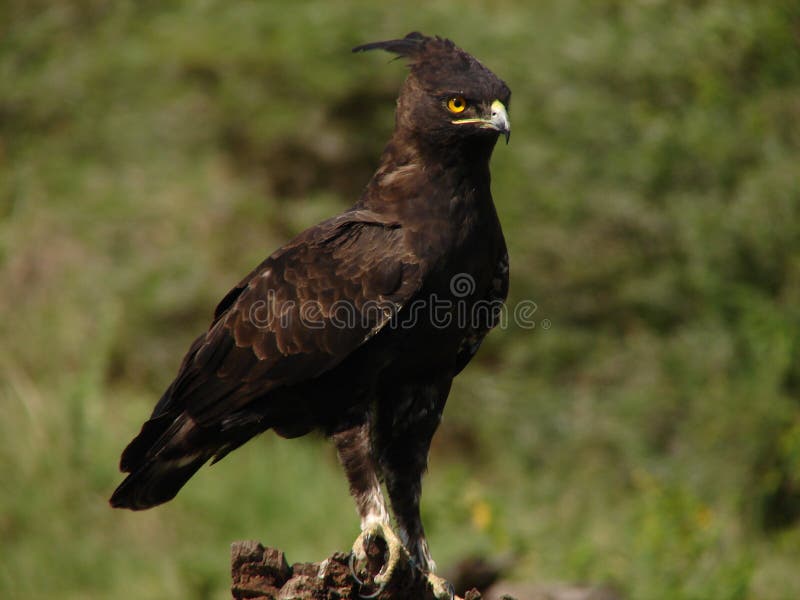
{"x":353,"y":572}
{"x":361,"y":583}
{"x":442,"y":589}
{"x":394,"y":551}
{"x":451,"y":591}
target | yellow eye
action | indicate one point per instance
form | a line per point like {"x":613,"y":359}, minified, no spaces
{"x":456,"y":104}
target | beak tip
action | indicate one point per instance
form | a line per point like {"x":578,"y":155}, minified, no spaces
{"x":499,"y":120}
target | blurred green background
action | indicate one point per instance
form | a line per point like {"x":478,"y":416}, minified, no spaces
{"x":151,"y":153}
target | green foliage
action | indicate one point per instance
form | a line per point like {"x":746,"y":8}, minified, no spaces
{"x":645,"y":434}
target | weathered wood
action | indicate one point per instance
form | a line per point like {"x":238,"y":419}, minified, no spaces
{"x":261,"y":573}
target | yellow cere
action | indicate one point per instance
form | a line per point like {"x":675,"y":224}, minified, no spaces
{"x":456,"y":104}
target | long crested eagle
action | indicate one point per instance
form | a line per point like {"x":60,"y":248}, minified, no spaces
{"x":358,"y":325}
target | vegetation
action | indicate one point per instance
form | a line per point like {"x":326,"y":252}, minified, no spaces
{"x":645,"y":434}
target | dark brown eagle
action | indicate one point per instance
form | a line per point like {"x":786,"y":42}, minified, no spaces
{"x":358,"y":325}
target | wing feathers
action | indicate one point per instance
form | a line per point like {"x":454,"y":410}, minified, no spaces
{"x":299,"y":314}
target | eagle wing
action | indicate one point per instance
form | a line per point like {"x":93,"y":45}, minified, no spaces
{"x":298,"y":314}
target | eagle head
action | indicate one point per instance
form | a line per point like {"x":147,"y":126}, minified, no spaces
{"x":449,"y":97}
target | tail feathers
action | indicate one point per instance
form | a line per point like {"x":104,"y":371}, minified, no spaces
{"x":156,"y":482}
{"x":142,"y":446}
{"x":167,"y":452}
{"x":169,"y":449}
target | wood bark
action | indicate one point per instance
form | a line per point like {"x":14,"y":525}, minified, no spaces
{"x":261,"y":573}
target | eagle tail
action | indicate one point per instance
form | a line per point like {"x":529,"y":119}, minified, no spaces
{"x":160,"y":460}
{"x":154,"y":483}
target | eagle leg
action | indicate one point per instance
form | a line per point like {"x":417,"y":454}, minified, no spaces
{"x":354,"y":447}
{"x":404,"y":434}
{"x":408,"y":416}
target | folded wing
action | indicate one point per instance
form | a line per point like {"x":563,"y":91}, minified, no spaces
{"x":299,"y":314}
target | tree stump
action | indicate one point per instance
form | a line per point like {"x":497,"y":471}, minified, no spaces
{"x":261,"y":573}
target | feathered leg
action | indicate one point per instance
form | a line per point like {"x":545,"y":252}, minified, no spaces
{"x":355,"y":453}
{"x":404,"y":433}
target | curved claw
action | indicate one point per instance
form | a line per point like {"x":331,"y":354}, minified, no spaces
{"x":393,"y":551}
{"x":353,"y":572}
{"x":361,"y":583}
{"x":442,"y":589}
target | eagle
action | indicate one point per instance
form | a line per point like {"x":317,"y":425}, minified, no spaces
{"x":357,"y":327}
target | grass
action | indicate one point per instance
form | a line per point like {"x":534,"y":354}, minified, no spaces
{"x":152,"y":153}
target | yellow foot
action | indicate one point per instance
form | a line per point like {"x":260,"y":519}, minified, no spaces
{"x":394,"y":548}
{"x":442,"y":590}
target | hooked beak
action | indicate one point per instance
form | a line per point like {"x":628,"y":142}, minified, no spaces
{"x":498,"y":120}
